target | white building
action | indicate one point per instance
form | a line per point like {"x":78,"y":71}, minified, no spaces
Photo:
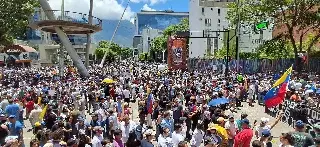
{"x":206,"y":16}
{"x":147,"y":36}
{"x":150,"y":24}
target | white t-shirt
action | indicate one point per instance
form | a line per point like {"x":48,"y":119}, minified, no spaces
{"x":176,"y":138}
{"x":127,"y":129}
{"x":232,"y":127}
{"x":261,"y":129}
{"x":126,"y":93}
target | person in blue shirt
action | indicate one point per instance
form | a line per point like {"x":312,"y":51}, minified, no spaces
{"x":13,"y":109}
{"x":15,"y":127}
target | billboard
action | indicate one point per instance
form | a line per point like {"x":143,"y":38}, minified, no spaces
{"x":177,"y":53}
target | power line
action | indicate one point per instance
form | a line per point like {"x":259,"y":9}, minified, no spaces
{"x":114,"y":33}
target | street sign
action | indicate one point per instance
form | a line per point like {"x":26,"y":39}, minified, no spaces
{"x":262,"y":25}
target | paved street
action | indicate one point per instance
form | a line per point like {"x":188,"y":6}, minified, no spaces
{"x":255,"y":113}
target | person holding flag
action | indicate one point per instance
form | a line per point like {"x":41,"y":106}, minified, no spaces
{"x":150,"y":101}
{"x":276,"y":94}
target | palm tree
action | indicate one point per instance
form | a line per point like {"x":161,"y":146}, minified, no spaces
{"x":88,"y":36}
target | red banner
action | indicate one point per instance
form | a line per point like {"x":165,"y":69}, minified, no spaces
{"x":177,"y":53}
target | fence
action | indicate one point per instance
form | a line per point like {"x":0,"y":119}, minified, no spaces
{"x":253,"y":66}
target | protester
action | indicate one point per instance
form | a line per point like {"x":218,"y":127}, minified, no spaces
{"x":135,"y":104}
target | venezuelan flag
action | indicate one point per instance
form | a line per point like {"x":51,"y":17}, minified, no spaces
{"x":150,"y":103}
{"x":276,"y":94}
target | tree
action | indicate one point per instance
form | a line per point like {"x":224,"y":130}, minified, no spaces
{"x":112,"y":50}
{"x":275,"y":49}
{"x":159,"y":43}
{"x":295,"y":17}
{"x":14,"y":16}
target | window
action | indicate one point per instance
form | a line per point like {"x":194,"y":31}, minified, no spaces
{"x":207,"y":22}
{"x":202,"y":10}
{"x":211,"y":9}
{"x":219,"y":12}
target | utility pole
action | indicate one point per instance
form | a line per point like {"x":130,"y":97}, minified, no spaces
{"x":238,"y":35}
{"x":88,"y":36}
{"x":227,"y":59}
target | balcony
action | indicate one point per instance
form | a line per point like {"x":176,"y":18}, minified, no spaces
{"x":70,"y":22}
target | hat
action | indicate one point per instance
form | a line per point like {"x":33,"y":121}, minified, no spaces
{"x":264,"y":120}
{"x":72,"y":142}
{"x":81,"y":119}
{"x":220,"y":119}
{"x":212,"y":127}
{"x":299,"y":124}
{"x":96,"y":128}
{"x":149,"y":132}
{"x":230,"y":116}
{"x":266,"y":133}
{"x":12,"y":116}
{"x":182,"y":118}
{"x":245,"y":121}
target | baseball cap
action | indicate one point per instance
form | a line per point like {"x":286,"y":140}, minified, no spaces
{"x":245,"y":121}
{"x":230,"y":116}
{"x":299,"y":124}
{"x":266,"y":133}
{"x":12,"y":116}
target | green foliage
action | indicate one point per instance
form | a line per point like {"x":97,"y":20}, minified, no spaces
{"x":14,"y":16}
{"x":113,"y":51}
{"x":275,"y":49}
{"x":272,"y":49}
{"x":142,"y":57}
{"x":159,"y":43}
{"x":294,"y":16}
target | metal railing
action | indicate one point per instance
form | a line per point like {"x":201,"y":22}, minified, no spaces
{"x":67,"y":16}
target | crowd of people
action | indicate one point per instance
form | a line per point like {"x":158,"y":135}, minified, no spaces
{"x":173,"y":108}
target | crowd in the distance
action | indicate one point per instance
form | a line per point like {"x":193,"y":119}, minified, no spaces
{"x":130,"y":104}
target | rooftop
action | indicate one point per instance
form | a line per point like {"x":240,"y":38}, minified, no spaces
{"x":163,"y":12}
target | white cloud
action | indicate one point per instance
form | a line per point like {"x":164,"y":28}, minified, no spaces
{"x":147,"y":8}
{"x":132,"y":20}
{"x":103,"y":9}
{"x":139,"y":1}
{"x":153,"y":2}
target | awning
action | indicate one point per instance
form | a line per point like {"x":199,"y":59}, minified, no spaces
{"x":19,"y":48}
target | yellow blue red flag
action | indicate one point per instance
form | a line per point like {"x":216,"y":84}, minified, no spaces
{"x":276,"y":94}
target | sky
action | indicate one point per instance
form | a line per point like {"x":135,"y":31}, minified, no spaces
{"x":113,"y":9}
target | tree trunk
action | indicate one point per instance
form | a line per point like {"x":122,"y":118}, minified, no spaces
{"x":88,"y":36}
{"x":295,"y":49}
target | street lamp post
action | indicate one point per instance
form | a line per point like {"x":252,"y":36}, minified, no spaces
{"x":163,"y":56}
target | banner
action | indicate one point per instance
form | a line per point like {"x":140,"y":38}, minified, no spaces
{"x":293,"y":112}
{"x":177,"y":53}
